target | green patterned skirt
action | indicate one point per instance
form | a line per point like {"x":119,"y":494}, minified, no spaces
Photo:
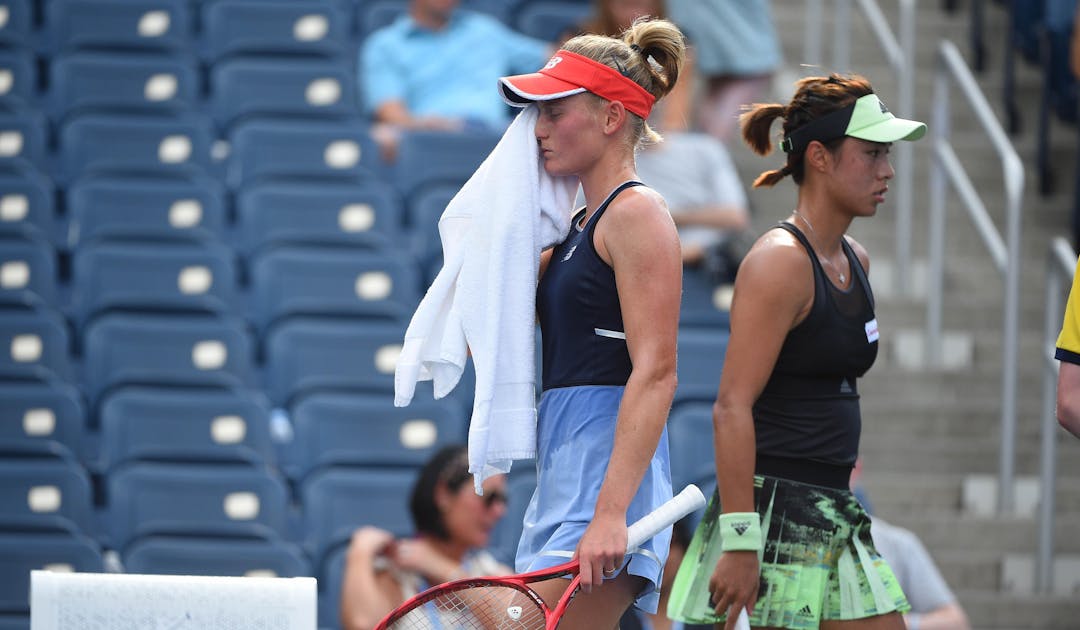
{"x":818,"y":562}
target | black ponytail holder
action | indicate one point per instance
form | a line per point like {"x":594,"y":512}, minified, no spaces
{"x":635,"y":48}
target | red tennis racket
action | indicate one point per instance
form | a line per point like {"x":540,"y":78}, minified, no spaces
{"x":507,"y":603}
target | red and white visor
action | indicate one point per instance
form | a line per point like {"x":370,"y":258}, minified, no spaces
{"x":568,"y":73}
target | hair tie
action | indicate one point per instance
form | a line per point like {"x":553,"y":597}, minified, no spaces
{"x":635,"y":48}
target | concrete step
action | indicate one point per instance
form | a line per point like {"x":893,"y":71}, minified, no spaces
{"x":898,"y":453}
{"x":944,"y":532}
{"x":990,"y":610}
{"x":904,"y":493}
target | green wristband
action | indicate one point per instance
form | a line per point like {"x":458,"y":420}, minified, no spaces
{"x":740,"y":531}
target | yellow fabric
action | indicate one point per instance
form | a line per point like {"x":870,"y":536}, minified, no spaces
{"x":1069,"y":339}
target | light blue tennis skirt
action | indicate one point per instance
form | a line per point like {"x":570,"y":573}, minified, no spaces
{"x":575,"y":436}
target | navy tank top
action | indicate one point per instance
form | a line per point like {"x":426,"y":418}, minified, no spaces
{"x":809,"y":409}
{"x":580,"y":316}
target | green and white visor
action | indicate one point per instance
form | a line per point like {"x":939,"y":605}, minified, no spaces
{"x":867,"y":118}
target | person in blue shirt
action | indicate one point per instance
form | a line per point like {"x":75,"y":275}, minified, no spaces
{"x":434,"y":67}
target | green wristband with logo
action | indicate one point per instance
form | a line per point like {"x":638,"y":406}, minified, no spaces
{"x":740,"y":531}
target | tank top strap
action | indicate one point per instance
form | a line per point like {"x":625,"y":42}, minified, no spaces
{"x":857,"y":271}
{"x":607,"y":202}
{"x":798,"y":234}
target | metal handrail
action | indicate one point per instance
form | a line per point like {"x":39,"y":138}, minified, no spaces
{"x":900,"y":54}
{"x":1060,"y":266}
{"x":946,"y":169}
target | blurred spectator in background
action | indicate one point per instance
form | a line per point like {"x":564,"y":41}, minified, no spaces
{"x":933,"y":605}
{"x":611,"y":18}
{"x":453,"y":525}
{"x":434,"y":68}
{"x":736,"y":50}
{"x":697,"y":178}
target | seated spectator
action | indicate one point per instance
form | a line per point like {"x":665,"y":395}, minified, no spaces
{"x":697,"y":178}
{"x":453,"y":525}
{"x":434,"y":68}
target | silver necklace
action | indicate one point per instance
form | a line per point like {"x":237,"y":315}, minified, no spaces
{"x":839,"y":274}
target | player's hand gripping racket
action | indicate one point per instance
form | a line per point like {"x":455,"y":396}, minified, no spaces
{"x":490,"y":603}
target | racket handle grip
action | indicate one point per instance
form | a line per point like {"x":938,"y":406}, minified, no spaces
{"x":680,"y":505}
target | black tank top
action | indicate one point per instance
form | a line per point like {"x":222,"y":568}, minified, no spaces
{"x":809,"y":409}
{"x":580,"y":316}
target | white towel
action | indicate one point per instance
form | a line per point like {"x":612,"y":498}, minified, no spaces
{"x":483,"y":299}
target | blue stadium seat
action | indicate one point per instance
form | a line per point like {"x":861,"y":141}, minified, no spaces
{"x":23,"y":552}
{"x":252,"y":86}
{"x":297,"y":280}
{"x":318,"y":213}
{"x":332,"y":507}
{"x":306,"y":353}
{"x":201,"y":555}
{"x":520,"y":484}
{"x":163,"y":277}
{"x":180,"y":424}
{"x":355,"y":429}
{"x":140,"y":208}
{"x":45,"y":490}
{"x":128,"y":145}
{"x":702,"y":302}
{"x":15,"y":621}
{"x":424,"y":211}
{"x":17,"y":26}
{"x":271,"y":27}
{"x":302,"y":150}
{"x":41,"y":417}
{"x":701,"y":358}
{"x":549,"y":20}
{"x":331,"y":573}
{"x":107,"y":24}
{"x":27,"y":208}
{"x":690,"y":442}
{"x":150,"y":498}
{"x":170,"y":350}
{"x":375,"y":14}
{"x":90,"y":81}
{"x":18,"y":77}
{"x":22,"y":140}
{"x":34,"y":343}
{"x":427,"y":158}
{"x":27,"y":271}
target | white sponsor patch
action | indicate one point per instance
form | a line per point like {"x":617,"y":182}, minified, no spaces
{"x":871,"y":331}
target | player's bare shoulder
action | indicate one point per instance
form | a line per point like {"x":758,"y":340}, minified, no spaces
{"x":776,"y":257}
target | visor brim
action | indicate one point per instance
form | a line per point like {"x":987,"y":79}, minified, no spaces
{"x":523,"y":89}
{"x":891,"y":130}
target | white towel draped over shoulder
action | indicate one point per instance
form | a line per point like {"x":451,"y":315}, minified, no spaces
{"x":484,"y":297}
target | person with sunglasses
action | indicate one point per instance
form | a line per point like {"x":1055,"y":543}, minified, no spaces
{"x":453,"y":527}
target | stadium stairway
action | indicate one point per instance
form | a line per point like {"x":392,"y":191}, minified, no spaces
{"x":931,"y":437}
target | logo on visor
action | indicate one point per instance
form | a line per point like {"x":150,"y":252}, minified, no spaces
{"x":884,"y":110}
{"x":554,"y":61}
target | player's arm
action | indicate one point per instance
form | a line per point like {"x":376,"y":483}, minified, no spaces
{"x":1068,"y":397}
{"x":773,"y":291}
{"x":638,"y":238}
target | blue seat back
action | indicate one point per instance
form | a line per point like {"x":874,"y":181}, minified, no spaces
{"x":180,"y":424}
{"x":45,"y":491}
{"x":312,"y":88}
{"x":428,"y":158}
{"x":268,"y":27}
{"x":27,"y":208}
{"x":38,"y":417}
{"x":20,"y":84}
{"x":307,"y":353}
{"x":302,"y":150}
{"x":550,"y":20}
{"x":23,"y":552}
{"x":122,"y":82}
{"x":701,"y":359}
{"x":355,"y":429}
{"x":690,"y":440}
{"x":145,"y":498}
{"x":107,"y":24}
{"x":23,"y":140}
{"x":166,"y":350}
{"x":162,"y":277}
{"x":118,"y":144}
{"x":28,"y":274}
{"x":145,"y":209}
{"x":295,"y":280}
{"x":320,"y":213}
{"x":34,"y":343}
{"x":202,"y":555}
